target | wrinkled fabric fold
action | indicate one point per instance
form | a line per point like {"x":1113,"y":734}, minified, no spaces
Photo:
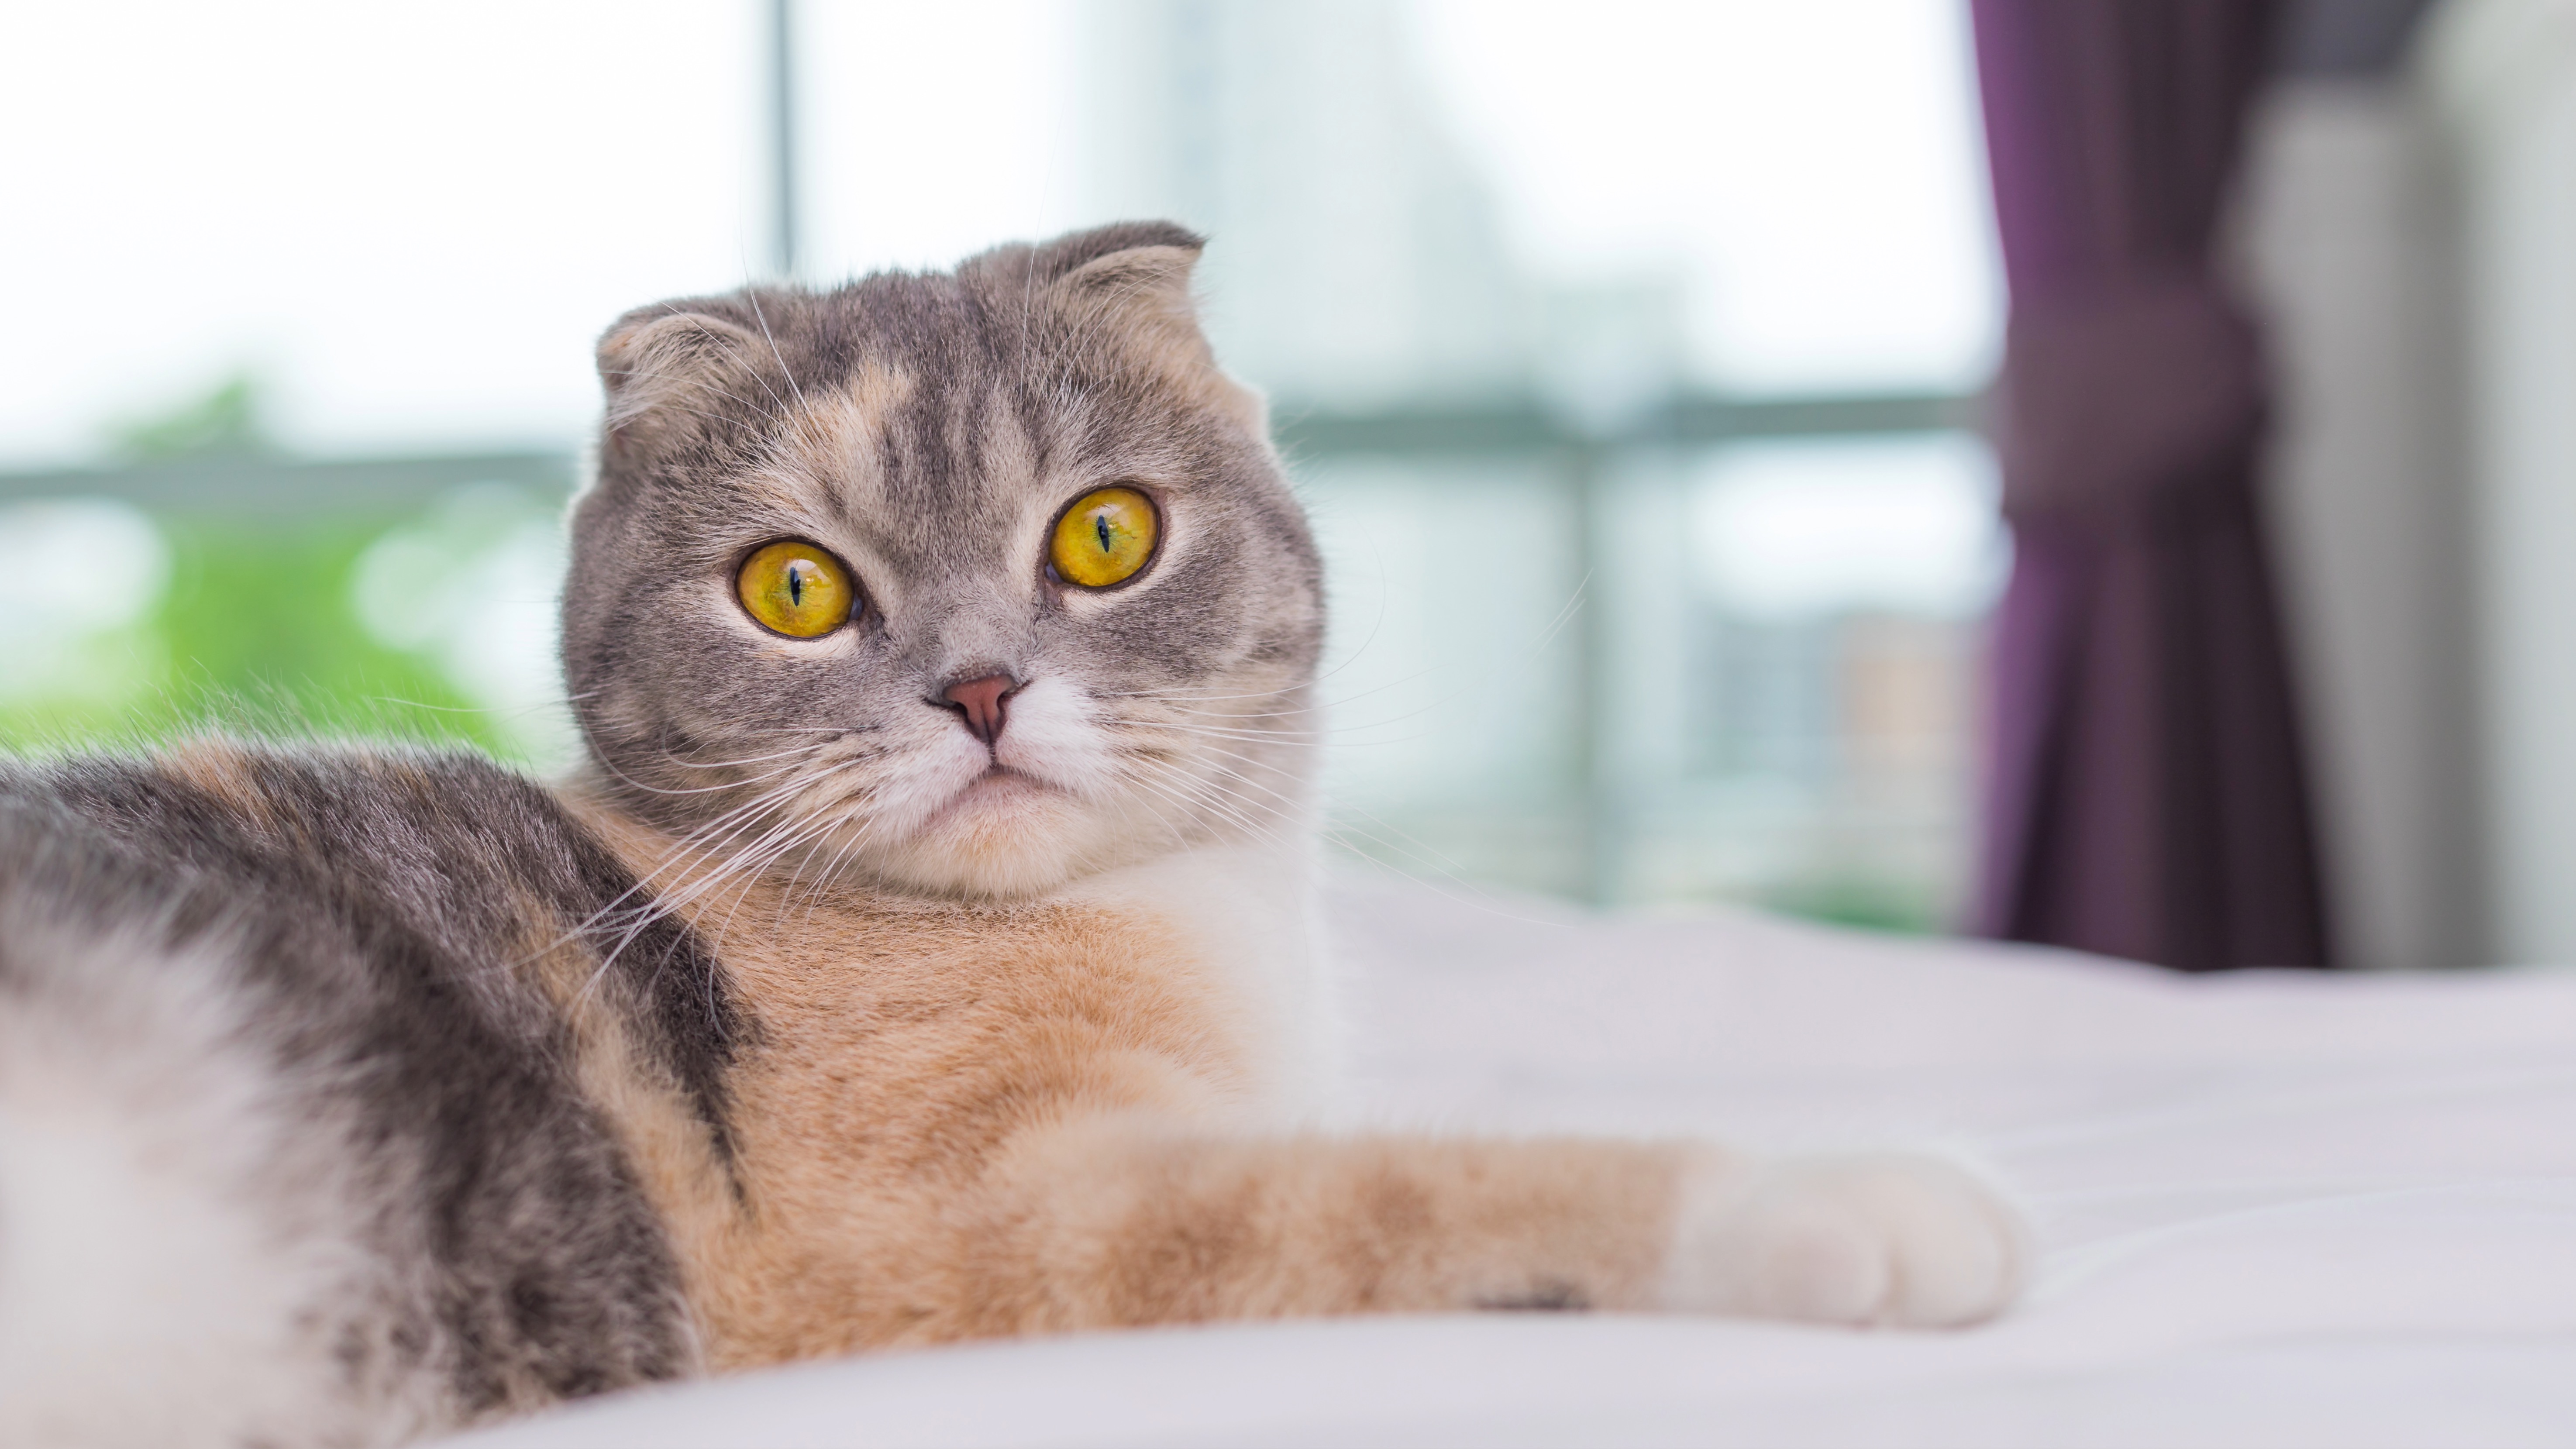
{"x":2111,"y":396}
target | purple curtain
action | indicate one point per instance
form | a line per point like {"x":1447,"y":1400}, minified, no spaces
{"x":2145,"y":795}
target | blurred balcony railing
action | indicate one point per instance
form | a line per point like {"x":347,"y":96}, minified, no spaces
{"x":1703,"y":420}
{"x":251,"y":488}
{"x":1594,"y":806}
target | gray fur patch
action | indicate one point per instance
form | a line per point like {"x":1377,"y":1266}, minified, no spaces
{"x":369,"y":913}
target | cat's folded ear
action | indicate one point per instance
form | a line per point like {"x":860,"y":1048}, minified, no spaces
{"x":666,"y":368}
{"x":1055,"y":260}
{"x":1131,"y":282}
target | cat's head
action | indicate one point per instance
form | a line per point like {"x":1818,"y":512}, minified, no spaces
{"x":968,"y":582}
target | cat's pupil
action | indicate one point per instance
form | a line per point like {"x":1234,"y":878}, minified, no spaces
{"x":796,"y":583}
{"x":1102,"y":524}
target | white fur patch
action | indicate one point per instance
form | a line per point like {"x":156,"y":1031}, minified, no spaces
{"x":1887,"y":1238}
{"x":1249,"y":913}
{"x":146,"y":1234}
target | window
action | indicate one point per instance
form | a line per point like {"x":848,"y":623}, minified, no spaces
{"x":1621,"y":353}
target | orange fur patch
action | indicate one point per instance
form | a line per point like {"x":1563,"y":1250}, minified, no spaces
{"x":221,"y":769}
{"x":965,"y":1121}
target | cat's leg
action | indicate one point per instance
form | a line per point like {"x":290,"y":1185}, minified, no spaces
{"x":1114,"y":1222}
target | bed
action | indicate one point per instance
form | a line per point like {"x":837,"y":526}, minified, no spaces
{"x":2276,"y":1208}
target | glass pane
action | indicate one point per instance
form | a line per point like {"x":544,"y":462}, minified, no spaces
{"x":405,"y":223}
{"x":1809,"y":177}
{"x":1603,"y":656}
{"x":1449,"y":687}
{"x":1832,"y":630}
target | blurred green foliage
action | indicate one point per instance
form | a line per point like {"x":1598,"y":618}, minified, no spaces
{"x":1866,"y":902}
{"x":255,"y":631}
{"x":225,"y":422}
{"x":254,"y":634}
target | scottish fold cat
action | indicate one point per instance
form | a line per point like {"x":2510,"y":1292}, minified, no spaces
{"x":921,"y":953}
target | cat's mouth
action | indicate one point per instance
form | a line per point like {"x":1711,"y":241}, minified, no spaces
{"x":998,"y":788}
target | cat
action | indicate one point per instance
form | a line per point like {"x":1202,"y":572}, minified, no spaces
{"x":922,"y":952}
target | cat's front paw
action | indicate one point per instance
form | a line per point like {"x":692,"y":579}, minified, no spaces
{"x":1912,"y":1241}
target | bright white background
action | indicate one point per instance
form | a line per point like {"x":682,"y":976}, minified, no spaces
{"x":409,"y":222}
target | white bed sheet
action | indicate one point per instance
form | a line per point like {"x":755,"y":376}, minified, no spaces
{"x":2276,"y":1209}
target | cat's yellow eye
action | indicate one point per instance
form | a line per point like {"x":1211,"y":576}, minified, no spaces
{"x":1104,"y":538}
{"x":796,"y":589}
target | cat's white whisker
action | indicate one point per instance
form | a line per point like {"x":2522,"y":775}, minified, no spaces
{"x":687,"y":850}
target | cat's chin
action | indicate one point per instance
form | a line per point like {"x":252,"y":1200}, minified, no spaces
{"x":996,"y":797}
{"x":1005,"y":835}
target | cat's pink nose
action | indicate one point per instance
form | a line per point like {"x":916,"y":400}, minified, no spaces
{"x":981,"y":701}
